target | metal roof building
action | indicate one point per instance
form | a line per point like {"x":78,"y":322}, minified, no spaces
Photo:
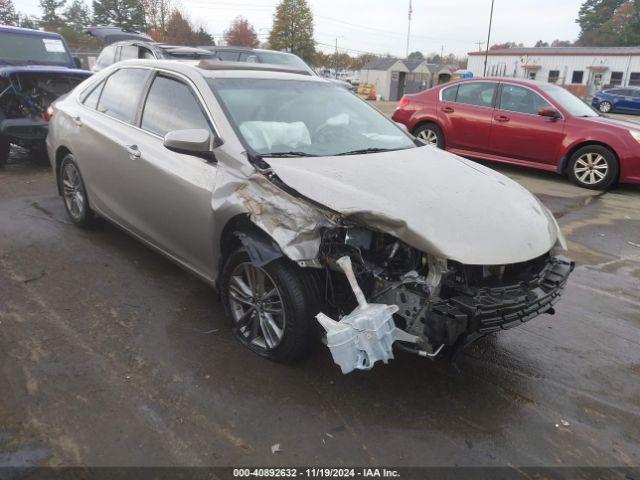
{"x":582,"y":70}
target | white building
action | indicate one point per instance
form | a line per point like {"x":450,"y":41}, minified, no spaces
{"x":583,"y":70}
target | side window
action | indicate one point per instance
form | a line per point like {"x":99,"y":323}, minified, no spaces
{"x":449,"y":94}
{"x":121,"y":93}
{"x":91,"y":99}
{"x":520,"y":99}
{"x":554,"y":75}
{"x":476,"y":93}
{"x":227,"y":55}
{"x":171,"y":105}
{"x":129,"y":52}
{"x":145,"y":53}
{"x":248,"y":57}
{"x":107,"y":57}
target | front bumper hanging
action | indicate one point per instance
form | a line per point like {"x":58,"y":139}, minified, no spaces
{"x":476,"y":311}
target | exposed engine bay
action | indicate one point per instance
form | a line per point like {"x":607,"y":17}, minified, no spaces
{"x":24,"y":100}
{"x":440,"y":304}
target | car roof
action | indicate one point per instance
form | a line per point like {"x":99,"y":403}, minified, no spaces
{"x":162,"y":46}
{"x":28,"y":31}
{"x":517,"y":81}
{"x":620,"y":87}
{"x":216,"y":69}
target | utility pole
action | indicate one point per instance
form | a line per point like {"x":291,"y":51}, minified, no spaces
{"x":480,"y":43}
{"x":409,"y":29}
{"x":442,"y":54}
{"x":486,"y":52}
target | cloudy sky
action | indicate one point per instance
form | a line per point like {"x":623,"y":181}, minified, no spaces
{"x":380,"y":26}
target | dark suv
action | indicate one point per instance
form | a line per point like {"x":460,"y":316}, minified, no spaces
{"x":35,"y":69}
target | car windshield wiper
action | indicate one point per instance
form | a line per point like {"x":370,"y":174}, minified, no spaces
{"x":288,"y":154}
{"x":367,"y":150}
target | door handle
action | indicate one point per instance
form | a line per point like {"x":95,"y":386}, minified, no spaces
{"x":133,"y":151}
{"x":447,"y":110}
{"x":501,"y":118}
{"x":78,"y":121}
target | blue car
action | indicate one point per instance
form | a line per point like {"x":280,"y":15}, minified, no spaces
{"x":618,"y":99}
{"x":35,"y":69}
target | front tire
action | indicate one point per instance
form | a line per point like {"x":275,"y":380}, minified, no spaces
{"x":272,"y":307}
{"x":594,"y":167}
{"x":74,"y":193}
{"x":605,"y":107}
{"x":431,"y":134}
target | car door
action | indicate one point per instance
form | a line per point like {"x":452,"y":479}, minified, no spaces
{"x":108,"y":140}
{"x":466,"y":111}
{"x":635,"y":102}
{"x":168,"y":193}
{"x":519,"y":132}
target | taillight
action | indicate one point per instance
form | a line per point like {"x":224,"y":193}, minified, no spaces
{"x":46,"y":116}
{"x":404,"y":101}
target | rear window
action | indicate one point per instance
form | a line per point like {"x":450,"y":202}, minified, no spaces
{"x":121,"y":93}
{"x":476,"y":93}
{"x":21,"y":49}
{"x":107,"y":57}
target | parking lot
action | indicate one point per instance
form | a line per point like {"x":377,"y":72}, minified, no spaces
{"x":110,"y":355}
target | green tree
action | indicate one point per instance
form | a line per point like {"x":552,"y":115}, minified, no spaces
{"x":594,"y":17}
{"x":540,"y":43}
{"x":8,"y":15}
{"x":293,"y":29}
{"x":77,"y":15}
{"x":50,"y":18}
{"x":28,"y":21}
{"x":416,"y":56}
{"x":121,"y":13}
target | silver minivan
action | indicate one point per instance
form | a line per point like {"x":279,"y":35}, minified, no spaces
{"x":259,"y":181}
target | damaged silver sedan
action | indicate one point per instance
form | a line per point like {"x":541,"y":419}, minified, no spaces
{"x":311,"y":212}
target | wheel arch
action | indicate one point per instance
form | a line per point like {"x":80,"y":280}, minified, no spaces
{"x":241,"y":231}
{"x":564,"y":161}
{"x":61,"y":152}
{"x":426,"y":121}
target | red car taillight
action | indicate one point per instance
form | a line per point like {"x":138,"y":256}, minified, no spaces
{"x":404,"y":101}
{"x":46,"y":116}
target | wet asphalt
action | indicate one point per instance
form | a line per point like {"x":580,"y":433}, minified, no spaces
{"x":110,"y":355}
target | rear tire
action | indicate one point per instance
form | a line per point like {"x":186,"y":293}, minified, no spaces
{"x":252,"y":309}
{"x":431,"y":134}
{"x":594,"y":167}
{"x":605,"y":107}
{"x":74,"y":193}
{"x":5,"y":149}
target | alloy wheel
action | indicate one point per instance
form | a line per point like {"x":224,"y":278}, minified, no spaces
{"x":591,"y":168}
{"x":256,"y":307}
{"x":429,"y":137}
{"x":605,"y":107}
{"x":72,"y":191}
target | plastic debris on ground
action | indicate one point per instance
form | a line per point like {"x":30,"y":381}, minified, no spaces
{"x":364,"y":336}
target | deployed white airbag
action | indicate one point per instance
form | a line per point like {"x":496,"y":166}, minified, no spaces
{"x":262,"y":136}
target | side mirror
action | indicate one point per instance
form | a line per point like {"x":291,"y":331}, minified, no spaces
{"x":549,"y":112}
{"x":77,"y":62}
{"x":196,"y":142}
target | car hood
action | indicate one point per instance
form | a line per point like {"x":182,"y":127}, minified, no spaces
{"x":434,"y":201}
{"x":611,"y":122}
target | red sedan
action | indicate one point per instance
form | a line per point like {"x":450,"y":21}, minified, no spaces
{"x":527,"y":123}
